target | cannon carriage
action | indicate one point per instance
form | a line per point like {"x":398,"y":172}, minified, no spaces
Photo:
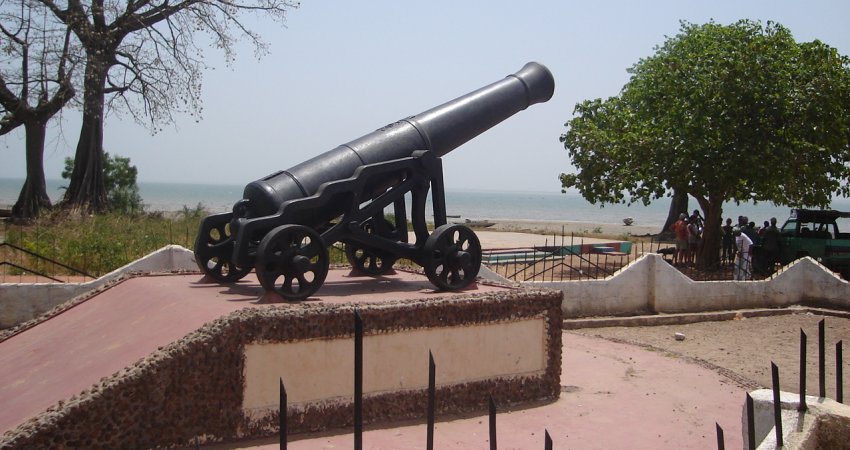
{"x":285,"y":223}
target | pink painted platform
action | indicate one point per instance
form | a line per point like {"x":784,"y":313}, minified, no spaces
{"x":613,"y":395}
{"x":72,"y":351}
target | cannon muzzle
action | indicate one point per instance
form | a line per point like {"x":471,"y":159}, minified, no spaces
{"x":440,"y":129}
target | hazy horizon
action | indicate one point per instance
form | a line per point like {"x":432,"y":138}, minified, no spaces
{"x":338,"y":71}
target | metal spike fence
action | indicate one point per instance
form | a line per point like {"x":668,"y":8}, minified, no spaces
{"x":562,"y":258}
{"x":801,"y":407}
{"x":573,"y":258}
{"x":358,"y":401}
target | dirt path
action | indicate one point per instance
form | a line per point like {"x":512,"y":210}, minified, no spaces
{"x":743,"y":349}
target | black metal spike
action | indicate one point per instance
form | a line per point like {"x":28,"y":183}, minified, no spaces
{"x":282,"y":416}
{"x":802,"y":405}
{"x":822,"y":357}
{"x":777,"y":405}
{"x":358,"y":381}
{"x":721,"y":442}
{"x":492,"y":423}
{"x":751,"y":424}
{"x":432,"y":381}
{"x":839,"y":372}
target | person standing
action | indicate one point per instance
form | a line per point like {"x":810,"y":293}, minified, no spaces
{"x":694,"y":234}
{"x":680,"y":229}
{"x":728,"y":242}
{"x":751,"y":232}
{"x":743,"y":243}
{"x":771,"y":243}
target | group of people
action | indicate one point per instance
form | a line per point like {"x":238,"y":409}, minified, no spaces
{"x":744,"y":246}
{"x":749,"y":248}
{"x":688,"y":231}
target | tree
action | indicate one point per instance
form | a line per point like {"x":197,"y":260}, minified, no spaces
{"x":678,"y":205}
{"x":143,"y":57}
{"x":122,"y":190}
{"x":36,"y":67}
{"x":722,"y":113}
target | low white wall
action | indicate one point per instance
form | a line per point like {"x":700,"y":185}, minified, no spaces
{"x":648,"y":285}
{"x":651,"y":285}
{"x":20,"y":302}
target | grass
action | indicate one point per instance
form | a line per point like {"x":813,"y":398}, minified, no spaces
{"x":101,"y":243}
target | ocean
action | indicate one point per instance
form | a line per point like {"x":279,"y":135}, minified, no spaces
{"x":469,"y":204}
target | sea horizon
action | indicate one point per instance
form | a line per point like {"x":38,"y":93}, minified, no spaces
{"x":473,"y":204}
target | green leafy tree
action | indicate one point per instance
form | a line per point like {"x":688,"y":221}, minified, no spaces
{"x":740,"y":112}
{"x":119,"y":178}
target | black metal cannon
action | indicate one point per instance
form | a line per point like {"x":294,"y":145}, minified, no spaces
{"x":286,"y":221}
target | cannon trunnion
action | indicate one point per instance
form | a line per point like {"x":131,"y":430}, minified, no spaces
{"x":285,"y":222}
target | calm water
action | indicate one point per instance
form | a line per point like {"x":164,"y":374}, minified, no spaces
{"x":468,"y":204}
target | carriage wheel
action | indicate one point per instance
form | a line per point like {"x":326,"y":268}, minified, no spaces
{"x":452,"y":257}
{"x":214,"y":248}
{"x":292,"y":260}
{"x":366,"y":260}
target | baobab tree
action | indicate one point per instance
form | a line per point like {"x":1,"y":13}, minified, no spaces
{"x":36,"y":67}
{"x":144,"y":56}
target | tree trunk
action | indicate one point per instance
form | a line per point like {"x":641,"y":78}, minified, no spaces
{"x":678,"y":204}
{"x":86,"y":191}
{"x":709,"y":252}
{"x":33,"y":198}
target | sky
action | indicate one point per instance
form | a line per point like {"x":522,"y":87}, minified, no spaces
{"x":339,"y":70}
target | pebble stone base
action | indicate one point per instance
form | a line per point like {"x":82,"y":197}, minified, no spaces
{"x":192,"y":389}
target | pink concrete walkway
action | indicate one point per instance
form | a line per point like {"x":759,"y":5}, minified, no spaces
{"x":614,"y":396}
{"x":72,"y":351}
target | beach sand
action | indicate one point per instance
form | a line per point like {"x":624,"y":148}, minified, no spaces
{"x":568,"y":228}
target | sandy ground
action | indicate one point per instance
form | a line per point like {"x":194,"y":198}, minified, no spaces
{"x":744,"y":349}
{"x":584,"y":228}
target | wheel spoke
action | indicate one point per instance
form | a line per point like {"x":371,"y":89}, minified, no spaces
{"x":302,"y":281}
{"x":279,"y":257}
{"x":456,"y":276}
{"x":217,"y":266}
{"x":314,"y":268}
{"x":443,"y":274}
{"x":287,"y":283}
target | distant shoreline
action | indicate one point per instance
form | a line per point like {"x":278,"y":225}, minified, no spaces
{"x":541,"y":213}
{"x":558,"y":227}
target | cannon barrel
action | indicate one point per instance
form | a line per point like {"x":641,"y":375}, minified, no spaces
{"x":440,"y":129}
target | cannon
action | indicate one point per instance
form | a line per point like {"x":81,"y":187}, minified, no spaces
{"x":285,"y":223}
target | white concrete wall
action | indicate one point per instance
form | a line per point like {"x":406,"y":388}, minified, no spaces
{"x":651,"y":285}
{"x":648,"y":285}
{"x":20,"y":302}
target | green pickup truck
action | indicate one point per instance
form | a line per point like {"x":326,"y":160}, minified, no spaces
{"x":813,"y":232}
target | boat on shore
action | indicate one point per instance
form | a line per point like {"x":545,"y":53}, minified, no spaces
{"x":471,"y":223}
